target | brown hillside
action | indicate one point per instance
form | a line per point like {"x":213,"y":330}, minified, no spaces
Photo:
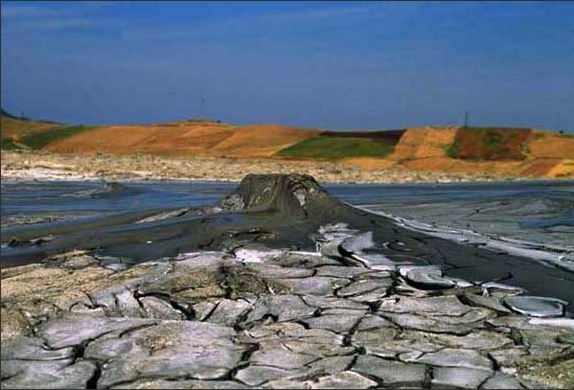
{"x":564,"y":168}
{"x":16,"y":129}
{"x":496,"y":144}
{"x":424,"y":142}
{"x":445,"y":164}
{"x":516,"y":152}
{"x":544,"y":144}
{"x":172,"y":138}
{"x":441,"y":149}
{"x":541,"y":167}
{"x":260,"y":140}
{"x":188,"y":137}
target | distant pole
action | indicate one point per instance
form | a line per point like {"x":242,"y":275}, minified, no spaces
{"x":466,"y":119}
{"x":203,"y":108}
{"x":21,"y":114}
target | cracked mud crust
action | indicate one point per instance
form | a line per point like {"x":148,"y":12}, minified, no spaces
{"x":131,"y":331}
{"x":251,"y":316}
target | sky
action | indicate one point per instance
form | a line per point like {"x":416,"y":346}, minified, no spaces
{"x":330,"y":65}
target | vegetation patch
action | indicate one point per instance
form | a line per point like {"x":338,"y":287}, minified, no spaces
{"x":452,"y":150}
{"x":39,"y":140}
{"x":17,"y":129}
{"x":489,"y":143}
{"x":334,"y":148}
{"x":389,"y":136}
{"x":8,"y":144}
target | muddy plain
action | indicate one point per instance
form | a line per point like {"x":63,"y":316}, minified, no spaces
{"x":277,"y":284}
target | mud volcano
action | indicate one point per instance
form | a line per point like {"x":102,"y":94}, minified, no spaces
{"x":279,"y":211}
{"x":280,"y":285}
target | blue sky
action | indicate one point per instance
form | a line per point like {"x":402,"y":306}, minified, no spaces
{"x":337,"y":65}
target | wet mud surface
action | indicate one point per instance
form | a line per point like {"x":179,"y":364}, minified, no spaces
{"x":279,"y":212}
{"x":276,"y":285}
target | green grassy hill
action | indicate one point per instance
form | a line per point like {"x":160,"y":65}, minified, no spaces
{"x":336,"y":145}
{"x":334,"y":148}
{"x":25,"y":133}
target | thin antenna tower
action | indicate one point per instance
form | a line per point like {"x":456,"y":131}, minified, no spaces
{"x":203,"y":107}
{"x":466,"y":119}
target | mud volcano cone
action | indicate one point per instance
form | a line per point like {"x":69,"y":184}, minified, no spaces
{"x":280,"y":212}
{"x":295,"y":195}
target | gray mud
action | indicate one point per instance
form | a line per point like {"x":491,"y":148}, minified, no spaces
{"x":540,"y":212}
{"x":278,"y":211}
{"x":278,"y":285}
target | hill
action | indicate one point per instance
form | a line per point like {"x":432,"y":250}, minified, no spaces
{"x":25,"y":133}
{"x":508,"y":151}
{"x":14,"y":129}
{"x":208,"y":138}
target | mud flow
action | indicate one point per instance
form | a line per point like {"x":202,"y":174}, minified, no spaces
{"x":287,"y":211}
{"x":277,"y":284}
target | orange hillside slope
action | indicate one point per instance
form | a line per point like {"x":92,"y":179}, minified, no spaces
{"x":544,"y":144}
{"x":204,"y":138}
{"x":446,"y":164}
{"x":545,"y":154}
{"x":163,"y":138}
{"x":540,"y":167}
{"x":424,"y":142}
{"x":564,"y":168}
{"x":261,"y":140}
